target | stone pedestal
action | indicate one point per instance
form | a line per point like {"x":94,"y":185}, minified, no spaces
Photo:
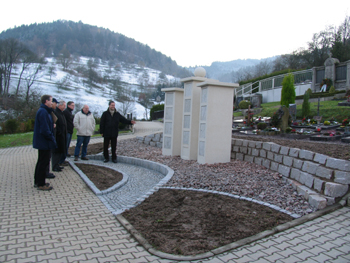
{"x":190,"y":120}
{"x":215,"y":122}
{"x":172,"y":121}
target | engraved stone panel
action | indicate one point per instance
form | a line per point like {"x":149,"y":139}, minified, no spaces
{"x":187,"y":105}
{"x":170,"y":99}
{"x":168,"y":128}
{"x":186,"y":138}
{"x":167,"y":142}
{"x":204,"y":95}
{"x":188,"y":90}
{"x":169,"y":113}
{"x":201,"y":148}
{"x":203,"y":113}
{"x":202,"y":130}
{"x":187,"y":121}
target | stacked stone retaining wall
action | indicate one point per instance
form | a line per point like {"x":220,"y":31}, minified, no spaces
{"x":155,"y":140}
{"x":321,"y":179}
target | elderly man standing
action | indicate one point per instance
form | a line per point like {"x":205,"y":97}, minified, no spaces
{"x":69,"y":118}
{"x":44,"y":141}
{"x":85,"y":123}
{"x":109,"y":128}
{"x":61,"y":137}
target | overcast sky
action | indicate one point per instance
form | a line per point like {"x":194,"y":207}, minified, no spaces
{"x":193,"y":32}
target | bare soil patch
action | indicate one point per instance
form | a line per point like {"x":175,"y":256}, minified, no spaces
{"x":102,"y":177}
{"x":189,"y":222}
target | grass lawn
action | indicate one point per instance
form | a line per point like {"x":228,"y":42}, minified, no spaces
{"x":21,"y":139}
{"x":328,"y":109}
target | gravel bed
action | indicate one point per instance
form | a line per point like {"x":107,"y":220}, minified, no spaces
{"x":236,"y":177}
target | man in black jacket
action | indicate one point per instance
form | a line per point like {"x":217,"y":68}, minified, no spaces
{"x":61,"y":137}
{"x":109,"y":130}
{"x":69,"y":119}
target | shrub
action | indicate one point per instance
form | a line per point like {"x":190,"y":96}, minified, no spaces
{"x":332,"y":89}
{"x":11,"y":125}
{"x":244,"y":104}
{"x":327,"y":123}
{"x":309,"y":91}
{"x":288,"y":90}
{"x":156,"y":107}
{"x":30,"y":125}
{"x":261,"y":125}
{"x":306,"y":105}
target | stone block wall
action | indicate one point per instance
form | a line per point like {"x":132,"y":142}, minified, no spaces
{"x":155,"y":140}
{"x":319,"y":178}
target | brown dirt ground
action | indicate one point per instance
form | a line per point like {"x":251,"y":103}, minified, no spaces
{"x":102,"y":177}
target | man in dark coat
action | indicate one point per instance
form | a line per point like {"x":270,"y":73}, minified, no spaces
{"x":69,"y":118}
{"x":44,"y":141}
{"x":61,"y":137}
{"x":109,"y":128}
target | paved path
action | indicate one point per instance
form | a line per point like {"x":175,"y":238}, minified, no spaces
{"x":70,"y":224}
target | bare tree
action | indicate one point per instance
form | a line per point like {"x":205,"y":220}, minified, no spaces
{"x":10,"y":51}
{"x":64,"y":58}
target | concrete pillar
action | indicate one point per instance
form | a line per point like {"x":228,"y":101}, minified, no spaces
{"x":189,"y":142}
{"x":173,"y":112}
{"x":313,"y":85}
{"x":329,"y":72}
{"x":215,"y":122}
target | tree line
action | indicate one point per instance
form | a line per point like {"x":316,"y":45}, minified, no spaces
{"x":48,"y":39}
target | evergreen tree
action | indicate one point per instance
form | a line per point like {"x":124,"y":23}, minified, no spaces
{"x":305,"y":112}
{"x":288,"y":90}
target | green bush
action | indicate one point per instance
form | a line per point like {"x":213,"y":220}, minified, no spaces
{"x":288,"y":90}
{"x":11,"y":125}
{"x":306,"y":105}
{"x":30,"y":125}
{"x":309,"y":91}
{"x":332,"y":89}
{"x":156,"y":107}
{"x":244,"y":104}
{"x":261,"y":125}
{"x":319,"y":94}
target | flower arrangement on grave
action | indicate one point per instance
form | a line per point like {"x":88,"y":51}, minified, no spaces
{"x":328,"y":82}
{"x":318,"y":129}
{"x":313,"y":121}
{"x":293,"y":131}
{"x":289,"y":130}
{"x":327,"y":123}
{"x":345,"y":122}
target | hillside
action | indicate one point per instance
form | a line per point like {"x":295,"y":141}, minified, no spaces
{"x":80,"y":39}
{"x":124,"y":85}
{"x":223,"y":70}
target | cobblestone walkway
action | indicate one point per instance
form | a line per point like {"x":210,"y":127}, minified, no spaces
{"x":71,"y":224}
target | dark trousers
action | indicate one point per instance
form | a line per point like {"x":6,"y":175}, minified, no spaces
{"x":113,"y":141}
{"x":41,"y":166}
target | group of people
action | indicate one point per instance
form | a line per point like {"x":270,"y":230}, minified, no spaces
{"x":53,"y":130}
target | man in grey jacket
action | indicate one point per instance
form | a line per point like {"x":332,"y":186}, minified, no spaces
{"x":85,"y":123}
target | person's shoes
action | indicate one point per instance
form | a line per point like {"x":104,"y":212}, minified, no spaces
{"x":50,"y":176}
{"x":76,"y":159}
{"x":105,"y":160}
{"x":115,"y":160}
{"x":84,"y":158}
{"x":45,"y":188}
{"x":64,"y":164}
{"x":36,"y":186}
{"x":61,"y":167}
{"x":57,"y":169}
{"x":68,"y":155}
